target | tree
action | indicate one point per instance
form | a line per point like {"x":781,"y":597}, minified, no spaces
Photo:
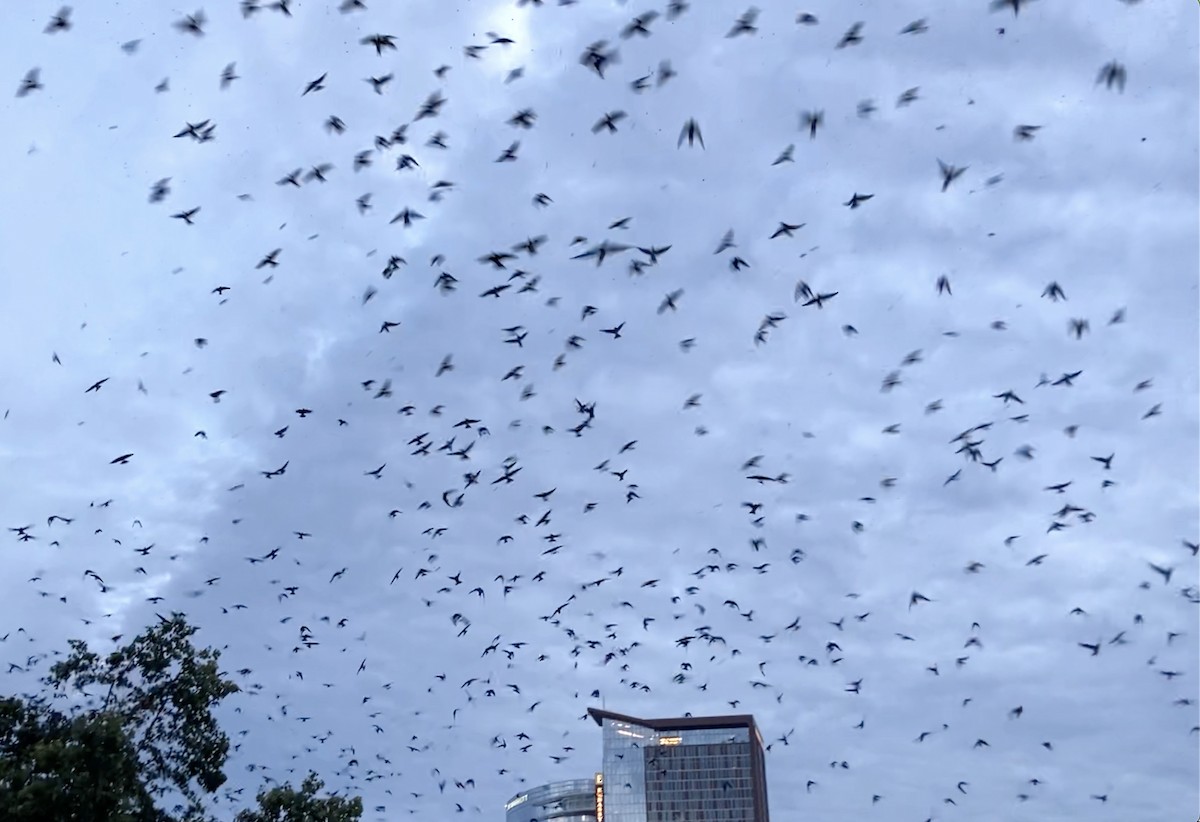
{"x":57,"y":767}
{"x":137,"y":728}
{"x":286,"y":804}
{"x":136,"y":731}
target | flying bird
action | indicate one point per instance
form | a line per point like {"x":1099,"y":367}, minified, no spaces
{"x":852,"y":37}
{"x":949,"y":173}
{"x":1112,"y":74}
{"x":61,"y":21}
{"x":315,"y":85}
{"x":192,"y":23}
{"x":31,"y":82}
{"x":691,"y":133}
{"x":608,"y":122}
{"x":745,"y":23}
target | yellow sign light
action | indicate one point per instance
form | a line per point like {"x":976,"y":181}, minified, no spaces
{"x":599,"y":797}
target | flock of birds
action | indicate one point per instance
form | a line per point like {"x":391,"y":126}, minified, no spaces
{"x":661,"y":620}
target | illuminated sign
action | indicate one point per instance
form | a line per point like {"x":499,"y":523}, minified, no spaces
{"x":512,"y":803}
{"x":670,"y":740}
{"x":599,"y":797}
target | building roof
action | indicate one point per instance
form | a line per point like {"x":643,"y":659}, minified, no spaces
{"x":678,"y":723}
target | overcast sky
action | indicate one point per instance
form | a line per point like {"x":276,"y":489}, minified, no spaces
{"x":853,"y":408}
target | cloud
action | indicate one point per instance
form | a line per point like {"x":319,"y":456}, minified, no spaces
{"x":1102,"y":201}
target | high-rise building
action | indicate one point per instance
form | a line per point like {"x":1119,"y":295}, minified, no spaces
{"x":572,"y":800}
{"x":686,"y":769}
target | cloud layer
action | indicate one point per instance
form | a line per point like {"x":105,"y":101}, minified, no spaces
{"x":651,"y":569}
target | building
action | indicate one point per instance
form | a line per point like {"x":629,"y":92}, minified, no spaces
{"x":688,"y":769}
{"x":572,"y":800}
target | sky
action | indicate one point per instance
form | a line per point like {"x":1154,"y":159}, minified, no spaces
{"x":906,"y":430}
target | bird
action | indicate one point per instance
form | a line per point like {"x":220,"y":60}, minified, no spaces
{"x":608,"y":122}
{"x":745,"y":23}
{"x":786,"y":229}
{"x":690,"y":132}
{"x":1165,"y":573}
{"x":1025,"y":132}
{"x":669,"y":302}
{"x":1112,"y":74}
{"x":379,"y":42}
{"x":192,"y":23}
{"x":812,"y":120}
{"x":852,"y":36}
{"x":949,"y":173}
{"x":638,"y":25}
{"x":1015,"y":5}
{"x":31,"y":82}
{"x":819,"y":299}
{"x":61,"y":21}
{"x":1054,"y":292}
{"x":314,"y":85}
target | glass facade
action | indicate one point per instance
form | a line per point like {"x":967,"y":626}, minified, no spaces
{"x":654,"y":772}
{"x":572,"y":800}
{"x":625,"y":770}
{"x":700,"y":782}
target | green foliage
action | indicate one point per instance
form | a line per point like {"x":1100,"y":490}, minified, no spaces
{"x":286,"y":804}
{"x":53,"y":766}
{"x":138,"y":728}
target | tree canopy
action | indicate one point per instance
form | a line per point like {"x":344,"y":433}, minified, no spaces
{"x":118,"y":737}
{"x":285,"y":804}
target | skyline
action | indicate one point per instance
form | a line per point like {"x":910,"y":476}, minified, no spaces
{"x":677,"y":731}
{"x":691,"y":768}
